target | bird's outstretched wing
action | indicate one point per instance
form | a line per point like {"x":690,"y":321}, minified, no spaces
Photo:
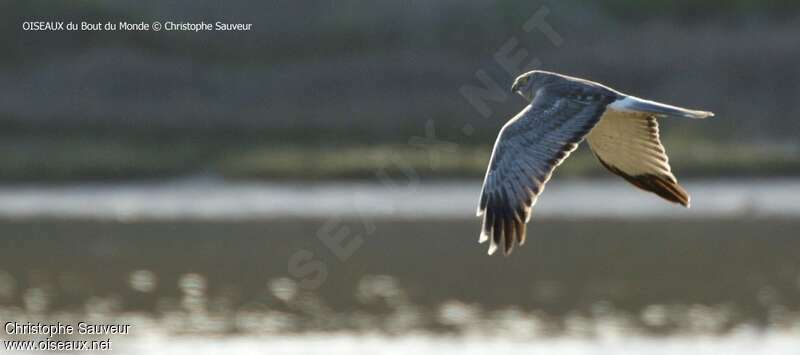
{"x":627,"y":144}
{"x":529,"y":147}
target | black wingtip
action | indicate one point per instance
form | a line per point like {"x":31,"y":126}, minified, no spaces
{"x":503,"y":225}
{"x":664,"y":186}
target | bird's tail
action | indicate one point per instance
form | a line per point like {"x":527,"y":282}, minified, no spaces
{"x":635,"y":104}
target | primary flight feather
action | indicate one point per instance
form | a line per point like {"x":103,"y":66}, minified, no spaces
{"x":621,"y":130}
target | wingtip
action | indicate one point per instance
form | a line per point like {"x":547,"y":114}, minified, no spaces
{"x":492,"y":248}
{"x":706,"y":114}
{"x":507,"y":252}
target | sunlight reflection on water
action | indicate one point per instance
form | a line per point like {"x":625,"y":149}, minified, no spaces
{"x":629,"y":287}
{"x":381,"y":303}
{"x":741,"y":343}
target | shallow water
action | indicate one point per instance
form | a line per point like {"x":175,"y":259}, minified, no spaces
{"x":744,"y":343}
{"x":210,"y":280}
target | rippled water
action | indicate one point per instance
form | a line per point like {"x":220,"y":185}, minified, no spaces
{"x":585,"y":283}
{"x":745,"y":343}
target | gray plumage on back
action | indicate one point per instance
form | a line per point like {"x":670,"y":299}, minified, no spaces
{"x":563,"y":111}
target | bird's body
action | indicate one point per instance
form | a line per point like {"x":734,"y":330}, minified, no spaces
{"x":621,"y":130}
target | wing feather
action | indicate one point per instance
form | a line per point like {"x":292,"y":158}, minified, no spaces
{"x":627,"y":143}
{"x":529,"y":147}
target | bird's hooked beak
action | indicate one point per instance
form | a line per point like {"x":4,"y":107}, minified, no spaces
{"x":515,"y":87}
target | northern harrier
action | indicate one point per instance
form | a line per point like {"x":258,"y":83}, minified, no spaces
{"x":622,"y":132}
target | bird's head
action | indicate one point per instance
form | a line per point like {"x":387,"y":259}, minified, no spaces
{"x":527,"y":84}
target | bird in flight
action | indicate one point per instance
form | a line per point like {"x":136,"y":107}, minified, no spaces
{"x":621,"y":130}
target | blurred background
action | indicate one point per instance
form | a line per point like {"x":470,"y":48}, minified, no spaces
{"x":310,"y":184}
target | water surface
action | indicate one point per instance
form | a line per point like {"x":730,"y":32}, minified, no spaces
{"x":205,"y":268}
